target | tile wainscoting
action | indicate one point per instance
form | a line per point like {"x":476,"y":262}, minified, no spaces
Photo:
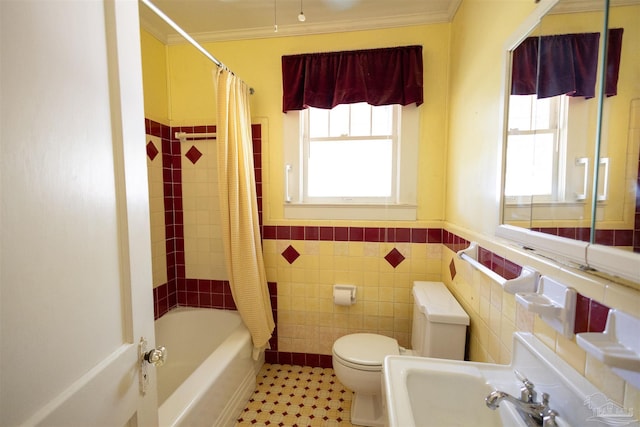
{"x":303,"y":263}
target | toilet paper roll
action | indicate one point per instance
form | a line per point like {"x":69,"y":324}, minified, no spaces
{"x":342,"y":296}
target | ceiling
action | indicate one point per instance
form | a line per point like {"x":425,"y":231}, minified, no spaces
{"x":213,"y":20}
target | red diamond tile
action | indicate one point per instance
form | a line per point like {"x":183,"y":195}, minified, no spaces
{"x":193,"y":154}
{"x":394,"y":257}
{"x":452,"y":269}
{"x":290,"y":254}
{"x":152,"y":151}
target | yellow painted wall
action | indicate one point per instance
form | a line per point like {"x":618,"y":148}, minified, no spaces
{"x":154,"y":76}
{"x":474,"y":161}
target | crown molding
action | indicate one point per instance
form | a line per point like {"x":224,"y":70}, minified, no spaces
{"x":153,"y":30}
{"x":306,"y":28}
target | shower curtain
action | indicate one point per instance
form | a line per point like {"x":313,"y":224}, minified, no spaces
{"x":239,"y":210}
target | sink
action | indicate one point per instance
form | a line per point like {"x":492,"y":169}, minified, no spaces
{"x":425,"y":392}
{"x":435,"y":392}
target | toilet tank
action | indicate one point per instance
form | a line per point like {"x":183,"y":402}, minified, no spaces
{"x":439,"y":322}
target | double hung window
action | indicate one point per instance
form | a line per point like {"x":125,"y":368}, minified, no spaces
{"x":351,"y":162}
{"x":350,"y":154}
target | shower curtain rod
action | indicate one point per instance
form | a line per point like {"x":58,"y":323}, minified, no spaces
{"x":186,"y":36}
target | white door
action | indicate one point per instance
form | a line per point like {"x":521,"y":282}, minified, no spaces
{"x":75,"y":270}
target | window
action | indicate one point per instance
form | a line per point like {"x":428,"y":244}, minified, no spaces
{"x":350,"y":153}
{"x":355,"y":161}
{"x":535,"y":147}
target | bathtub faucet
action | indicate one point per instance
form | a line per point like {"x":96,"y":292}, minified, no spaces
{"x":532,"y":412}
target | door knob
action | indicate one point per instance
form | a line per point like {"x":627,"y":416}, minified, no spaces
{"x":156,"y":357}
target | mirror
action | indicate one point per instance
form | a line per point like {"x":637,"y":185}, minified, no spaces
{"x":553,"y":144}
{"x":550,"y":138}
{"x":617,"y":221}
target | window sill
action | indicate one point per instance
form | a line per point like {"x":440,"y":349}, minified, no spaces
{"x":350,"y":212}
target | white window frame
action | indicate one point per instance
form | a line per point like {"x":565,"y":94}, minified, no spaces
{"x":401,"y":207}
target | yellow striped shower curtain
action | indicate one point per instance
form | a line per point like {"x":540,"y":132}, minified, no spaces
{"x":239,"y":210}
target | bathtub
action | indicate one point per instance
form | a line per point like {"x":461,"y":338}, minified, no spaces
{"x":209,"y":375}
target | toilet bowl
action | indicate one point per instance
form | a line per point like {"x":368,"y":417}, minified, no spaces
{"x":439,"y":330}
{"x":357,"y":363}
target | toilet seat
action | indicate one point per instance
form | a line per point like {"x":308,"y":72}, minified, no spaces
{"x":364,"y":352}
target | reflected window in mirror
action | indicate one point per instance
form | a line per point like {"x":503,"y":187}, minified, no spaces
{"x":535,"y":146}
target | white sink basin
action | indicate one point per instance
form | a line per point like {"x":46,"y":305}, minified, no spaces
{"x":435,"y":392}
{"x":427,"y":392}
{"x":440,"y":397}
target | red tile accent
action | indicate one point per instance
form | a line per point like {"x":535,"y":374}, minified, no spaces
{"x":604,"y":237}
{"x":623,"y":237}
{"x":452,"y":269}
{"x":497,"y":264}
{"x":297,"y":233}
{"x":434,"y":235}
{"x":374,"y":234}
{"x":511,"y":270}
{"x":418,"y":235}
{"x":290,"y":254}
{"x":402,"y":235}
{"x":484,"y":257}
{"x":283,"y":232}
{"x":269,"y":232}
{"x":582,"y":314}
{"x":583,"y":234}
{"x":193,"y":154}
{"x":356,"y":234}
{"x":326,"y":233}
{"x":597,"y":316}
{"x":394,"y":257}
{"x":568,"y":232}
{"x":152,"y":151}
{"x":341,"y":234}
{"x":256,"y":131}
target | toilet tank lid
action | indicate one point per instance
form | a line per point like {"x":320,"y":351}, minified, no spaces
{"x":438,"y":304}
{"x":365,"y":349}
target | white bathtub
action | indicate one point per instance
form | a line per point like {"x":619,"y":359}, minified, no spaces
{"x":209,"y":374}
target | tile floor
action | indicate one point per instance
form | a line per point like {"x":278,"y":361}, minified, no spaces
{"x":291,"y":395}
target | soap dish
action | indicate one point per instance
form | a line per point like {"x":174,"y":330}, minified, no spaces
{"x":618,"y":346}
{"x":554,"y":302}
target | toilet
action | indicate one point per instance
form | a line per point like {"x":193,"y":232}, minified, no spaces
{"x":439,"y":330}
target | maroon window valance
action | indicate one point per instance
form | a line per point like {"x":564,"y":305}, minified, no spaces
{"x":564,"y":64}
{"x":376,"y":76}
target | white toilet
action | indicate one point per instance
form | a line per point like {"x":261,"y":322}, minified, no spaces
{"x":439,"y":330}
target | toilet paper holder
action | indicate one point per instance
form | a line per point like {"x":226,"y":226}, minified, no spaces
{"x":340,"y":289}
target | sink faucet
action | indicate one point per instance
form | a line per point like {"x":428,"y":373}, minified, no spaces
{"x":533,"y":413}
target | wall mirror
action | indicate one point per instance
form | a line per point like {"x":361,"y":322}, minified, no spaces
{"x":554,"y":145}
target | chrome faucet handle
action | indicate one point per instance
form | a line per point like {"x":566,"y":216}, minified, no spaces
{"x":549,"y":419}
{"x":527,"y":392}
{"x":545,"y":399}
